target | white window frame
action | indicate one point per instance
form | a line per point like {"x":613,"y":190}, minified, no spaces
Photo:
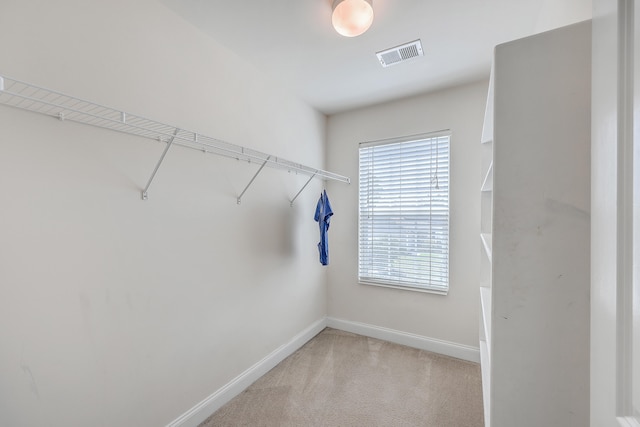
{"x":366,"y":263}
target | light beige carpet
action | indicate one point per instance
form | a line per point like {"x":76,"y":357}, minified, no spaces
{"x":342,"y":379}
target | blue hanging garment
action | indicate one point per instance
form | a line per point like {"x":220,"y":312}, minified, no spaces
{"x":322,"y":216}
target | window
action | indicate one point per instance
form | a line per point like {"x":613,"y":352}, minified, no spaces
{"x":404,"y":213}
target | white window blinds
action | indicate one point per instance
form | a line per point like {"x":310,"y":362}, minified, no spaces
{"x":404,"y":213}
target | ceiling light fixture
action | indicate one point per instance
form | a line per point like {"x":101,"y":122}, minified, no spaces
{"x":351,"y":18}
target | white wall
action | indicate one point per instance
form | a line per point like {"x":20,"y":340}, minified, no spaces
{"x":554,"y":14}
{"x":120,"y":312}
{"x":454,"y":317}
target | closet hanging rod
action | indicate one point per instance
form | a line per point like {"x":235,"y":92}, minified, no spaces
{"x":26,"y":96}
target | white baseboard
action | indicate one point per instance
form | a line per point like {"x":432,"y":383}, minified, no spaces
{"x":200,"y":412}
{"x":196,"y":415}
{"x":448,"y":348}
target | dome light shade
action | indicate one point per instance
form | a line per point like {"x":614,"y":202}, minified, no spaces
{"x":351,"y":18}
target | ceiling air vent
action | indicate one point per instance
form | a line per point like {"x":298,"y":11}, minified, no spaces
{"x":399,"y":54}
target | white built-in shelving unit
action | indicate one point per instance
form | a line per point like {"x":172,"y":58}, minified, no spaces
{"x":534,"y":232}
{"x":486,"y":211}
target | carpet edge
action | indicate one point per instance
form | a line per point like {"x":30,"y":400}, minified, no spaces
{"x":201,"y":411}
{"x":447,"y":348}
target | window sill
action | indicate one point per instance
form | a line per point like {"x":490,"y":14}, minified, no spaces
{"x":404,"y":288}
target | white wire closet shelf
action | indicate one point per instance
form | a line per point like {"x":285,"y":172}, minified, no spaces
{"x":18,"y":94}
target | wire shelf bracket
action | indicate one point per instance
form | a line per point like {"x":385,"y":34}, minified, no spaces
{"x":301,"y":190}
{"x":239,"y":200}
{"x":155,"y":170}
{"x":26,"y":96}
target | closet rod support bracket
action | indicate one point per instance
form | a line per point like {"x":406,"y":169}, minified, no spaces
{"x":239,"y":199}
{"x":303,"y":187}
{"x":155,"y":170}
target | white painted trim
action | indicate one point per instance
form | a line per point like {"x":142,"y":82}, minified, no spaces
{"x":447,"y":348}
{"x":624,"y":311}
{"x":200,"y":412}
